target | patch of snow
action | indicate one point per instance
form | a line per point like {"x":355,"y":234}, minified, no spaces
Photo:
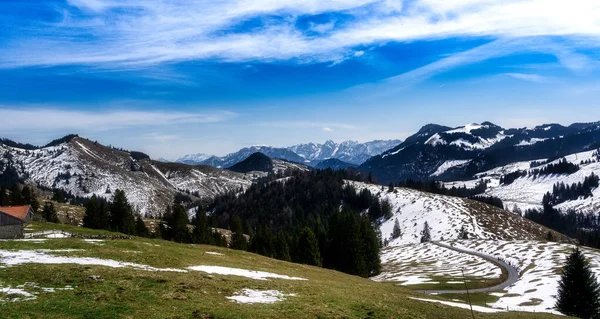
{"x":253,"y":274}
{"x":459,"y":305}
{"x":447,"y":165}
{"x":259,"y":296}
{"x":11,"y":258}
{"x":530,"y":141}
{"x":412,"y":264}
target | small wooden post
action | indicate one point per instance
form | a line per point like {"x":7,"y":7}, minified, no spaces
{"x":468,"y":296}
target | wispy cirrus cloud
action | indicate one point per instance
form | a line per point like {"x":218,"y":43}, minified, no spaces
{"x":327,"y":127}
{"x":52,"y":119}
{"x":530,"y":77}
{"x":136,"y":33}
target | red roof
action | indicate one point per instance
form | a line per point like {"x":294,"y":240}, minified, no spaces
{"x":19,"y":212}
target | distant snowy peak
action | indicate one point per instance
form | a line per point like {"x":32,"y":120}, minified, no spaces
{"x":351,"y":152}
{"x":193,"y":158}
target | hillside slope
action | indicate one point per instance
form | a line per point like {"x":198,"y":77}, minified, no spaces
{"x":448,"y":215}
{"x":527,"y":191}
{"x":84,"y":168}
{"x":145,"y":278}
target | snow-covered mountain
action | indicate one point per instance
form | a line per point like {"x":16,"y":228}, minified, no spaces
{"x":348,"y":151}
{"x":528,"y":189}
{"x":84,"y":168}
{"x":444,"y":153}
{"x":312,"y":154}
{"x":193,"y":158}
{"x":231,"y":159}
{"x":259,"y":162}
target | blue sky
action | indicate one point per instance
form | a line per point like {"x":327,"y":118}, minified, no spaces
{"x":173,"y":77}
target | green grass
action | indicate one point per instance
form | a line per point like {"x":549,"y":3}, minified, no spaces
{"x":130,"y":293}
{"x":479,"y":299}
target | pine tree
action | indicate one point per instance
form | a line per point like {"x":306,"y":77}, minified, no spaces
{"x":178,"y":225}
{"x":282,"y":248}
{"x":308,"y":248}
{"x":140,"y":227}
{"x":3,"y":196}
{"x":396,"y":232}
{"x":463,"y":233}
{"x":391,"y":187}
{"x":426,"y":233}
{"x":96,"y":215}
{"x":121,"y":217}
{"x":202,"y":232}
{"x":49,"y":213}
{"x":15,"y":195}
{"x":578,"y":291}
{"x":238,"y":240}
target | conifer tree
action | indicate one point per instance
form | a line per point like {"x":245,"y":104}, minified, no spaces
{"x":391,"y":187}
{"x":202,"y":232}
{"x":178,"y":225}
{"x":308,"y":248}
{"x":426,"y":233}
{"x":3,"y":196}
{"x":96,"y":215}
{"x":371,"y":246}
{"x":396,"y":231}
{"x":238,"y":240}
{"x":140,"y":227}
{"x":121,"y":217}
{"x":15,"y":195}
{"x":578,"y":290}
{"x":282,"y":248}
{"x":49,"y":212}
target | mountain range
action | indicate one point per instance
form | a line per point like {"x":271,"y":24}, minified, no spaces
{"x":350,"y":153}
{"x":445,"y":153}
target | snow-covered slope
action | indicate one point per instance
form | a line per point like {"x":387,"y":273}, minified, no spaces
{"x":447,"y":215}
{"x":85,"y":168}
{"x":540,"y":264}
{"x":474,"y":148}
{"x":527,"y":192}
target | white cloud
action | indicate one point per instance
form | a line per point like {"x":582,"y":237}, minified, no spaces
{"x":307,"y":124}
{"x":529,"y":77}
{"x":327,"y":129}
{"x":48,"y":119}
{"x":136,"y":33}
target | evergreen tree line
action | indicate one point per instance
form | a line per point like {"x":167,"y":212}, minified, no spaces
{"x":311,"y":217}
{"x":114,"y":215}
{"x":439,"y":188}
{"x":174,"y":226}
{"x":562,"y":167}
{"x":562,"y":193}
{"x":463,"y":192}
{"x":582,"y":226}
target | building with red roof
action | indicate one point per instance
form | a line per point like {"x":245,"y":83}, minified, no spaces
{"x":13,"y":220}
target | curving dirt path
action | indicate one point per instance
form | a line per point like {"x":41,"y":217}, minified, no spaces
{"x":513,"y":273}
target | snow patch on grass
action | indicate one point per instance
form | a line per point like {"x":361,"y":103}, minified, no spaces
{"x":13,"y":258}
{"x":459,"y":305}
{"x":253,"y":274}
{"x":416,"y":263}
{"x":259,"y":296}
